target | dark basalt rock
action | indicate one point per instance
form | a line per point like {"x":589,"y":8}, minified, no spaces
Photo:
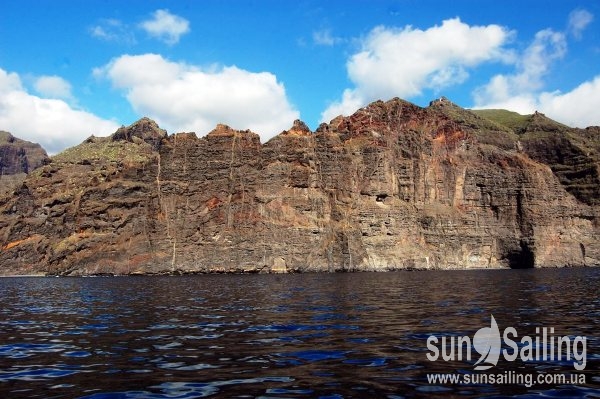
{"x":18,"y":158}
{"x":393,"y":186}
{"x":145,"y":129}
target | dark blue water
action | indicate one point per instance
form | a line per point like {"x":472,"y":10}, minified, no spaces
{"x":293,"y":336}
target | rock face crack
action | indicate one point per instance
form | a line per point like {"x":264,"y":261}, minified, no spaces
{"x":393,"y":186}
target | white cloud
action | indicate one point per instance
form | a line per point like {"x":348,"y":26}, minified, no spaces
{"x":51,"y":122}
{"x":53,"y":87}
{"x":547,"y":47}
{"x":166,"y":26}
{"x":517,"y":89}
{"x":522,"y":91}
{"x":402,"y":62}
{"x":351,"y":101}
{"x":325,"y":38}
{"x":9,"y":82}
{"x":578,"y":20}
{"x":578,"y":108}
{"x":113,"y":30}
{"x":182,"y":97}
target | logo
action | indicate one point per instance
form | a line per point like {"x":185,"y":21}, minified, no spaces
{"x":487,"y":343}
{"x":491,"y":345}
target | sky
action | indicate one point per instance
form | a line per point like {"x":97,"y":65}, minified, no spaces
{"x":70,"y":69}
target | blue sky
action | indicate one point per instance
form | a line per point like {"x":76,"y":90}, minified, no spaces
{"x":69,"y":69}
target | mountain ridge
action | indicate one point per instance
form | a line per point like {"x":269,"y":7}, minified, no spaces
{"x":393,"y":186}
{"x":17,"y":158}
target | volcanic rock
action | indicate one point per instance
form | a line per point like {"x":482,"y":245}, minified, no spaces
{"x":17,"y":158}
{"x":393,"y":186}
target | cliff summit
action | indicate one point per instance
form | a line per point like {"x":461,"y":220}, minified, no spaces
{"x":393,"y":186}
{"x":17,"y":158}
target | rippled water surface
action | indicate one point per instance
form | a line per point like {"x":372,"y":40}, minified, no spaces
{"x":312,"y":335}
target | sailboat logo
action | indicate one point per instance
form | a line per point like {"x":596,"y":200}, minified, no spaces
{"x":487,"y":342}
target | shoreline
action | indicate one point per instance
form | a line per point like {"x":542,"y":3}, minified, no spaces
{"x":193,"y":273}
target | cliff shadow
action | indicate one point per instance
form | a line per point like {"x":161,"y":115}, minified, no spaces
{"x":523,"y":258}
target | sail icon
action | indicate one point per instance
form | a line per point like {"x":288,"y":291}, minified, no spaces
{"x":487,"y":342}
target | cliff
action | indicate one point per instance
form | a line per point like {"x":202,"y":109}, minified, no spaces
{"x":393,"y":186}
{"x":17,"y":158}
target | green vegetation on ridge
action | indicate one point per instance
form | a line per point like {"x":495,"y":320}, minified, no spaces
{"x":510,"y":119}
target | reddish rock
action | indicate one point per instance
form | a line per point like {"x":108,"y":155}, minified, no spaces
{"x":393,"y":186}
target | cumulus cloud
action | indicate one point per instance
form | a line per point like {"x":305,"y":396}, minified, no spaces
{"x":578,"y":108}
{"x":578,"y":20}
{"x":183,"y":97}
{"x":53,"y":87}
{"x":49,"y":121}
{"x":523,"y":91}
{"x":166,"y":26}
{"x":517,"y":89}
{"x":9,"y":82}
{"x":402,"y":62}
{"x":351,"y":101}
{"x":325,"y":38}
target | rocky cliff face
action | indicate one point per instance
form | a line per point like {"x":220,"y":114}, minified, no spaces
{"x":393,"y":186}
{"x":17,"y":158}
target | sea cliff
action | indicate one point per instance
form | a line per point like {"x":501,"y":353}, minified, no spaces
{"x":393,"y":186}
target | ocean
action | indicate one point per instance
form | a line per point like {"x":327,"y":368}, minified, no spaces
{"x":346,"y":335}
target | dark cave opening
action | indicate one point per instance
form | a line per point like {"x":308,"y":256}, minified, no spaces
{"x":523,"y":259}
